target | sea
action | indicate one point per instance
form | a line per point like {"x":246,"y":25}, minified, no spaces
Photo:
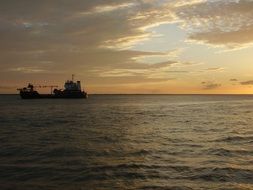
{"x":144,"y":142}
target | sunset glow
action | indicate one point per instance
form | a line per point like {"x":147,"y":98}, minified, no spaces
{"x":129,"y":46}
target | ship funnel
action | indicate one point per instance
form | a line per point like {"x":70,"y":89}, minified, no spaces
{"x":78,"y":85}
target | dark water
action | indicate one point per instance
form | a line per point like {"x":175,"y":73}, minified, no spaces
{"x":127,"y":142}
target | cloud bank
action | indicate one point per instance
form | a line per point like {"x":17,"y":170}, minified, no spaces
{"x":95,"y":37}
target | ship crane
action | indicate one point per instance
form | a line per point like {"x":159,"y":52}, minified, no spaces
{"x":46,"y":86}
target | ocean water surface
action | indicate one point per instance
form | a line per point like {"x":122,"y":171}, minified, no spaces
{"x":127,"y":142}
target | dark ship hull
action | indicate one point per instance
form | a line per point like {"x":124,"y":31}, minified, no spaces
{"x":72,"y":90}
{"x":63,"y":94}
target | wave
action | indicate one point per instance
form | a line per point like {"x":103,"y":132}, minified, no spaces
{"x":236,"y":139}
{"x":229,"y":152}
{"x":227,"y":174}
{"x":165,"y":188}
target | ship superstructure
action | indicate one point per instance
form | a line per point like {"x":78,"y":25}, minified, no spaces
{"x":71,"y":89}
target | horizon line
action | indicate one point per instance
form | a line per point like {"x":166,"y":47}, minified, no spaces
{"x":151,"y":94}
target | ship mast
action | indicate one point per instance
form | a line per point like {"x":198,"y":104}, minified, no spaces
{"x":73,"y":77}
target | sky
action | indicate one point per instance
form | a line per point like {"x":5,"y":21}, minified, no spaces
{"x":128,"y":46}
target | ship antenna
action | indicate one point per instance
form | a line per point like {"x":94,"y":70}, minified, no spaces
{"x":73,"y":77}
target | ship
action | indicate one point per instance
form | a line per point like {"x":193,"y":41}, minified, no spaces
{"x":71,"y":89}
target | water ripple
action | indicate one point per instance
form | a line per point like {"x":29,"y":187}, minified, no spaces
{"x":127,"y":142}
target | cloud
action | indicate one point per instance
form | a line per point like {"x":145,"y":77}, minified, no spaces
{"x":109,"y":8}
{"x":250,"y":82}
{"x":220,"y":23}
{"x":157,"y":57}
{"x":8,"y":87}
{"x":215,"y":69}
{"x":53,"y":36}
{"x":162,"y":70}
{"x":94,"y":38}
{"x":233,"y":80}
{"x":120,"y":24}
{"x":210,"y":85}
{"x":27,"y":70}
